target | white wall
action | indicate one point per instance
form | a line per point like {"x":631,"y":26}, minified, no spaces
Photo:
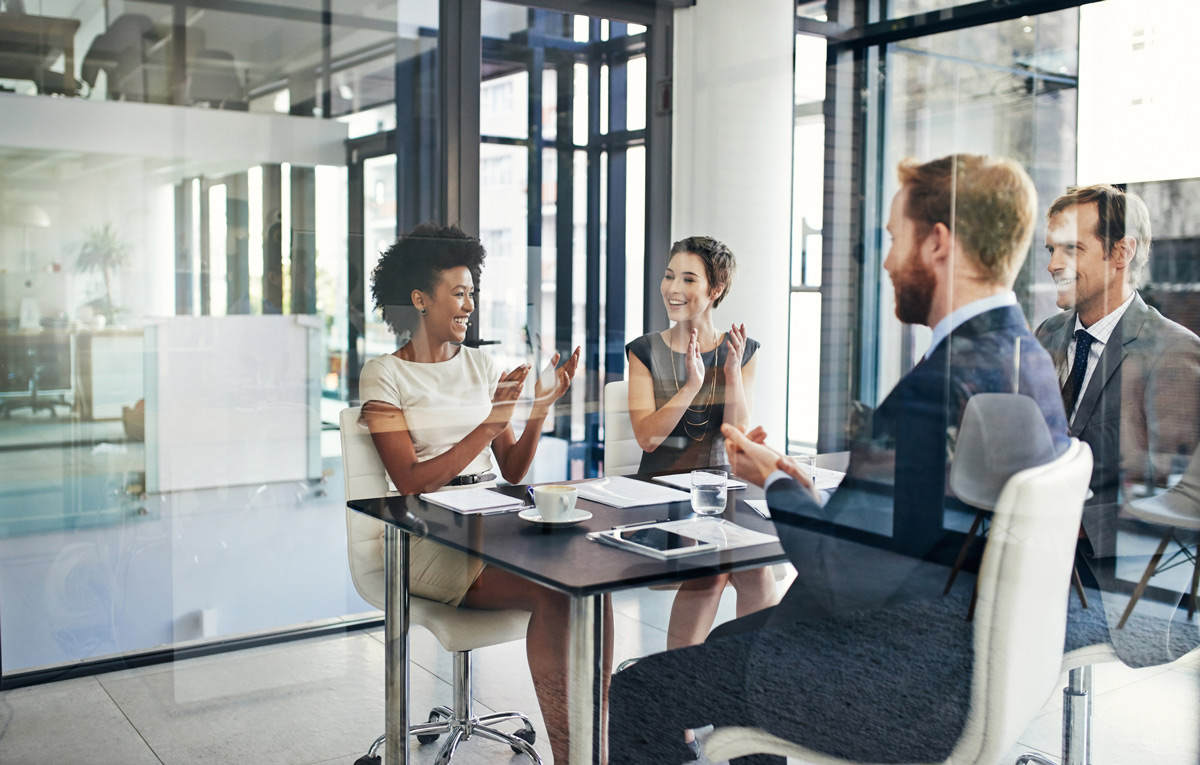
{"x":732,"y":166}
{"x":1137,"y":91}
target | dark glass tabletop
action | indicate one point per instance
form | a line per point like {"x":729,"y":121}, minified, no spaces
{"x":563,"y":558}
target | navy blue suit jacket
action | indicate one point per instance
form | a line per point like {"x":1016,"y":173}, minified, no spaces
{"x":895,"y":485}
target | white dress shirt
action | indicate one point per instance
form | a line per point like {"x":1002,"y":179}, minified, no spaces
{"x":1101,"y":333}
{"x":963,"y":314}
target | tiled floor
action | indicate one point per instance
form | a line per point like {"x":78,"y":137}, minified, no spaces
{"x":320,"y":701}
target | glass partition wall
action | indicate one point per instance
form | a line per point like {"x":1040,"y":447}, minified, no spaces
{"x":173,"y":267}
{"x":1077,"y":96}
{"x":188,"y":222}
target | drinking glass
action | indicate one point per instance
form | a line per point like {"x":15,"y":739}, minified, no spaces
{"x":708,"y":491}
{"x":808,"y":462}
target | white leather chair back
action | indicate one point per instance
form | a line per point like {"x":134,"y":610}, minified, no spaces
{"x":1021,"y":616}
{"x":457,"y":629}
{"x":1020,"y":619}
{"x":622,"y":455}
{"x":365,"y":477}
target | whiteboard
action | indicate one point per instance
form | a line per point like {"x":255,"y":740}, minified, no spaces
{"x":232,"y":400}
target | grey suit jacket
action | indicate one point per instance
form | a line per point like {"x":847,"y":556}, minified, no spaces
{"x":1139,"y":411}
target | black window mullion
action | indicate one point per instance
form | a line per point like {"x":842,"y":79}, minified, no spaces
{"x":614,"y":299}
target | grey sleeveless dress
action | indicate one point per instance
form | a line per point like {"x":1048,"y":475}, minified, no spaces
{"x":696,"y":441}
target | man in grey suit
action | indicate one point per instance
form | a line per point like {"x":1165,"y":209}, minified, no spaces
{"x":1131,"y":388}
{"x":1130,"y":377}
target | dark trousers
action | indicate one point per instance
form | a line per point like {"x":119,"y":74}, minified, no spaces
{"x":890,"y":686}
{"x":653,"y":701}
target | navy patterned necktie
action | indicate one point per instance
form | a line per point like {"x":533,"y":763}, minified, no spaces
{"x":1071,"y":390}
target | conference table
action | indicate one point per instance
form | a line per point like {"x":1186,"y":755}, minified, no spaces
{"x":563,"y":559}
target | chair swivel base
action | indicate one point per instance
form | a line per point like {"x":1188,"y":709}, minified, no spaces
{"x":442,"y":721}
{"x":461,"y":724}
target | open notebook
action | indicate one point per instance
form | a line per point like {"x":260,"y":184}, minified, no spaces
{"x":474,"y":501}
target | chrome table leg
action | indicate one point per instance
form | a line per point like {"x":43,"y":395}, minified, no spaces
{"x":581,"y":704}
{"x":395,"y":649}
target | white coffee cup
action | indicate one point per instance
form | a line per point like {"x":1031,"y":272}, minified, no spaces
{"x":555,"y":503}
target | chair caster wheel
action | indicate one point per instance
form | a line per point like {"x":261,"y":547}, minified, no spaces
{"x":366,"y":760}
{"x":529,"y":736}
{"x":429,"y":738}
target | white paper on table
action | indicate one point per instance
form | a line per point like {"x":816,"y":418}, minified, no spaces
{"x":726,"y":535}
{"x":684,"y":481}
{"x":622,"y":492}
{"x":722,"y":535}
{"x":759,"y":506}
{"x":471,"y":501}
{"x":827,"y":479}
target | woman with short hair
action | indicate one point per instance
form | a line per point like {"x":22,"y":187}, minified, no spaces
{"x":684,"y":383}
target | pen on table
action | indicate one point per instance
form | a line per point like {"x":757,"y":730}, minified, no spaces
{"x":639,"y":523}
{"x":759,"y":510}
{"x":499,"y":510}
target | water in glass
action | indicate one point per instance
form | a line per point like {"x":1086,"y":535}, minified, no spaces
{"x":708,"y":492}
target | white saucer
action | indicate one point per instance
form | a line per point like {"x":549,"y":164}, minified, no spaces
{"x":532,"y":515}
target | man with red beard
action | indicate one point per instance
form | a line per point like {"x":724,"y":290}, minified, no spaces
{"x":961,"y":228}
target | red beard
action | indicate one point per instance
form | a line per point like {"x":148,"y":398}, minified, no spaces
{"x":914,"y":286}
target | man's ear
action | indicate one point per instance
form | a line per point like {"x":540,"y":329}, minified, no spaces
{"x":939,"y":244}
{"x":1123,"y":251}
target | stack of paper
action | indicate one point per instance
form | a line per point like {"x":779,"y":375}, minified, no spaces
{"x":619,"y":491}
{"x":475,"y":501}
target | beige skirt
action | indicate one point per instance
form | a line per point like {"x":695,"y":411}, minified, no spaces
{"x":440,"y":573}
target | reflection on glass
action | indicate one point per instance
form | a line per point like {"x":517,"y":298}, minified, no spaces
{"x":379,"y":231}
{"x":996,"y":90}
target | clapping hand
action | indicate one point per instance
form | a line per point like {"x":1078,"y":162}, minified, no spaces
{"x":549,"y":389}
{"x":736,"y":339}
{"x":694,"y":364}
{"x":508,"y":390}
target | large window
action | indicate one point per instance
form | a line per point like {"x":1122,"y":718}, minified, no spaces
{"x":562,"y":210}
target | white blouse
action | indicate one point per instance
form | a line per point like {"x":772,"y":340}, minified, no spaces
{"x":442,"y":401}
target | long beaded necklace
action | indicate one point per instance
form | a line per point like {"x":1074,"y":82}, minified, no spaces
{"x":704,"y":410}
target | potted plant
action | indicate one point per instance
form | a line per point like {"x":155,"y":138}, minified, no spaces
{"x":102,"y":250}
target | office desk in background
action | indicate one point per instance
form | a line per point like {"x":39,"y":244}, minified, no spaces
{"x":562,"y":559}
{"x":29,"y":45}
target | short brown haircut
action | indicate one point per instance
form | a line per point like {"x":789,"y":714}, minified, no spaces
{"x":1118,"y":214}
{"x":719,"y":263}
{"x":988,"y":203}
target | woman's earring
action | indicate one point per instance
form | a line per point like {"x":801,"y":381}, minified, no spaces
{"x":422,"y":310}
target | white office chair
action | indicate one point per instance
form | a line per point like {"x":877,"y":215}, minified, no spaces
{"x":622,"y":454}
{"x":1020,"y":621}
{"x":459,"y":630}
